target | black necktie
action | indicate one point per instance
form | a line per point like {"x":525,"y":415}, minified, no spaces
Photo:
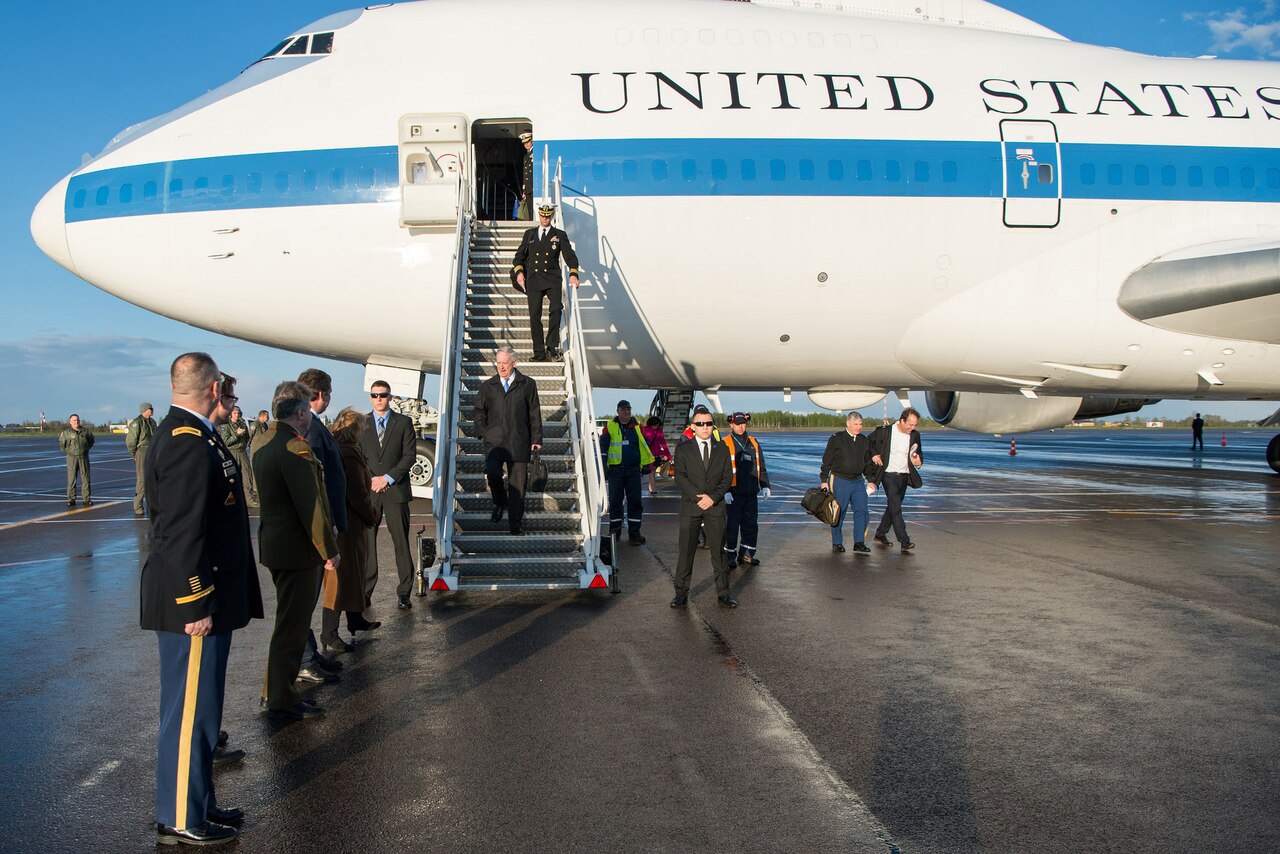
{"x":706,"y":454}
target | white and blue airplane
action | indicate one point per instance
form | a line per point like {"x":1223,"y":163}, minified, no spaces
{"x":842,"y":197}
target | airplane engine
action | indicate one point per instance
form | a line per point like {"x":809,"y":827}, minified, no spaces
{"x":980,"y":412}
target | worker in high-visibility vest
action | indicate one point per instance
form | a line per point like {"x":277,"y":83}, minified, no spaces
{"x":626,"y":453}
{"x":750,"y":483}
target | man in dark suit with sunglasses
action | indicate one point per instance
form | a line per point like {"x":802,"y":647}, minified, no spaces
{"x":391,"y":447}
{"x":704,"y":474}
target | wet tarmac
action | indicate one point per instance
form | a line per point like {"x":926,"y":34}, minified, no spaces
{"x":1082,"y":655}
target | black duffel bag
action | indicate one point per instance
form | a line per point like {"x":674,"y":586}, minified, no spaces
{"x":822,"y":505}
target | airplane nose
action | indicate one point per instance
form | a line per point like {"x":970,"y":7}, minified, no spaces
{"x":49,"y":225}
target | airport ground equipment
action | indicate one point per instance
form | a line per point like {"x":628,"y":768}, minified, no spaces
{"x":562,"y":547}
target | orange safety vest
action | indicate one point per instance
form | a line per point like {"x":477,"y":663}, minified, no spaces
{"x":733,"y":456}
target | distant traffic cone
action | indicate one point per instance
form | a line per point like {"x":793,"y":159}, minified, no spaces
{"x":1013,"y":446}
{"x":1224,"y":440}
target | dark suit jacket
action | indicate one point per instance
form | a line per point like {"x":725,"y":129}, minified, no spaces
{"x":510,"y":421}
{"x":325,"y":447}
{"x":200,"y":559}
{"x":395,"y":456}
{"x":539,"y":260}
{"x":881,"y":437}
{"x":694,"y":478}
{"x":295,"y":530}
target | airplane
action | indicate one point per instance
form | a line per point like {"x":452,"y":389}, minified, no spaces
{"x":851,"y":199}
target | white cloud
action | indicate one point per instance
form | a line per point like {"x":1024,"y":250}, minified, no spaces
{"x":1256,"y":32}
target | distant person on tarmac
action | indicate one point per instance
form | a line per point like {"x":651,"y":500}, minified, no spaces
{"x":508,"y":415}
{"x":1197,"y":433}
{"x":896,"y":450}
{"x":845,"y":463}
{"x":136,"y":441}
{"x":75,"y":442}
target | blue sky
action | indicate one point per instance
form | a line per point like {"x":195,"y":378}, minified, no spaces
{"x":77,"y":72}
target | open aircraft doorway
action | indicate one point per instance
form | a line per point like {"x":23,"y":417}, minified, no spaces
{"x":500,"y":163}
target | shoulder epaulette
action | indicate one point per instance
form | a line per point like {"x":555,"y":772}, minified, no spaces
{"x":186,"y":431}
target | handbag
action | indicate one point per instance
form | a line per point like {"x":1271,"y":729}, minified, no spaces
{"x":536,"y":478}
{"x":822,"y":505}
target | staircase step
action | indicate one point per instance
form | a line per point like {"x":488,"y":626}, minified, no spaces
{"x":474,"y":481}
{"x":535,"y":523}
{"x":551,"y":447}
{"x":529,"y":544}
{"x":476,"y":568}
{"x":473,"y":463}
{"x":545,"y":383}
{"x":552,"y":502}
{"x":484,"y":370}
{"x":550,"y":429}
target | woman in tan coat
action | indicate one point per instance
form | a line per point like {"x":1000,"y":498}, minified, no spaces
{"x":344,"y":589}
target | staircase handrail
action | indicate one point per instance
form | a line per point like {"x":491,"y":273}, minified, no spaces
{"x":580,"y":407}
{"x":450,"y":383}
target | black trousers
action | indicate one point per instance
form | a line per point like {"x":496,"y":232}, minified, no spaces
{"x":744,"y":516}
{"x":397,"y":515}
{"x":895,"y":490}
{"x":509,"y":495}
{"x":624,"y":484}
{"x":1197,"y":439}
{"x":689,"y":527}
{"x":553,"y":320}
{"x":295,"y":600}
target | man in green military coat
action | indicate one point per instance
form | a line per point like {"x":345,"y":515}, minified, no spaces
{"x":235,"y":435}
{"x":75,"y":442}
{"x":296,"y":541}
{"x":136,"y":442}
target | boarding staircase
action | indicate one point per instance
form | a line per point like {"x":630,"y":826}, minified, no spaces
{"x":562,"y":546}
{"x":673,"y":407}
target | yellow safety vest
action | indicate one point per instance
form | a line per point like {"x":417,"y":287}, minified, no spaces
{"x":615,"y":444}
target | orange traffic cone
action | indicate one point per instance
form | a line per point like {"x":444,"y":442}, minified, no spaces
{"x":1013,"y":446}
{"x":1224,"y":440}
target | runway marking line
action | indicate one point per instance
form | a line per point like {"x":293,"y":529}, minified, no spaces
{"x":61,"y":515}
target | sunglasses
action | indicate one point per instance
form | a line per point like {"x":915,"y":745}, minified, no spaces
{"x":230,"y":397}
{"x":379,"y":394}
{"x":703,"y":423}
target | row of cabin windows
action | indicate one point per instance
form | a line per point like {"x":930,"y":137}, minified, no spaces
{"x":775,"y":170}
{"x":308,"y":181}
{"x":1142,"y":176}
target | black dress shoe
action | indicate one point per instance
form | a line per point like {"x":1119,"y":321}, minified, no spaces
{"x":208,"y":833}
{"x":837,"y":547}
{"x":496,"y":515}
{"x":296,"y":712}
{"x":222,"y":758}
{"x":404,"y":604}
{"x":679,"y":601}
{"x":326,"y":663}
{"x":556,"y":355}
{"x":316,"y":676}
{"x":363,"y":626}
{"x":882,"y":540}
{"x":861,"y":548}
{"x":223,"y":738}
{"x":727,"y":601}
{"x":748,"y":560}
{"x":539,"y":357}
{"x":636,"y":539}
{"x":517,"y":532}
{"x":906,"y":547}
{"x":230,"y":816}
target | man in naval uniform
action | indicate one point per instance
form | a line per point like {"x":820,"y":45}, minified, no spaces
{"x":525,"y":211}
{"x":539,"y":257}
{"x":199,"y":584}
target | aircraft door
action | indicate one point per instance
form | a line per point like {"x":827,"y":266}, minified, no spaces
{"x":1032,"y":176}
{"x":433,"y":153}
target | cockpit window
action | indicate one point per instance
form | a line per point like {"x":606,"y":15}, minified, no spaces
{"x":316,"y":44}
{"x":276,"y":49}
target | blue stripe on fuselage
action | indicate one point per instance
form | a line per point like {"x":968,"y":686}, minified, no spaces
{"x":691,"y":167}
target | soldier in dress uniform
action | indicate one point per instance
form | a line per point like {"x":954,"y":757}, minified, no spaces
{"x":199,"y":584}
{"x":539,"y":256}
{"x":525,"y":211}
{"x":137,"y":441}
